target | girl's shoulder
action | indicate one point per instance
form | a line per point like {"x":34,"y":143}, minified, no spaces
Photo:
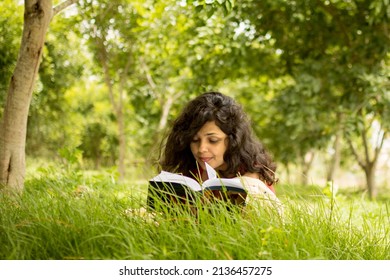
{"x":254,"y":180}
{"x":260,"y":192}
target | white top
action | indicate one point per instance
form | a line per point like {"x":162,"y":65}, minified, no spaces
{"x":259,"y":192}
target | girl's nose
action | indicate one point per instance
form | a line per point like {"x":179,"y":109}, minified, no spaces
{"x":203,"y":146}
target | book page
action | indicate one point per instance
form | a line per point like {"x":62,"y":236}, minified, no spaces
{"x":233,"y":184}
{"x":211,"y":173}
{"x":215,"y":183}
{"x":168,"y":177}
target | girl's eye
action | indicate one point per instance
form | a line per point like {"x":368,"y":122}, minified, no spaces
{"x":214,"y":140}
{"x":194,"y":140}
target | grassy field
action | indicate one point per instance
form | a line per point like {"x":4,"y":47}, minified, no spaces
{"x":74,"y":215}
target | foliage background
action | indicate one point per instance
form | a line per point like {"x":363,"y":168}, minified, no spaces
{"x":305,"y":72}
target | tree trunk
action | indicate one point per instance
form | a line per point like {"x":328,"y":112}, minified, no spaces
{"x":116,"y":96}
{"x":335,"y":160}
{"x":122,"y":144}
{"x":37,"y":16}
{"x":369,"y":171}
{"x":165,"y":113}
{"x":288,"y":174}
{"x":307,"y":161}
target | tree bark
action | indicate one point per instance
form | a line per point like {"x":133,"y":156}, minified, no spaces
{"x":13,"y":126}
{"x":307,"y":161}
{"x":37,"y":16}
{"x":369,"y":171}
{"x":116,"y":96}
{"x":335,"y":160}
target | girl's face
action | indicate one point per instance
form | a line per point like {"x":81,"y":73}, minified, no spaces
{"x":209,"y":145}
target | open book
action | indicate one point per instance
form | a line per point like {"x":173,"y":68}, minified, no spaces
{"x":176,"y":188}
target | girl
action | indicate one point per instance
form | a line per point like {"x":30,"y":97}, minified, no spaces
{"x":213,"y":128}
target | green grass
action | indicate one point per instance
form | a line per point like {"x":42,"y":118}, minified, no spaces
{"x":75,"y":215}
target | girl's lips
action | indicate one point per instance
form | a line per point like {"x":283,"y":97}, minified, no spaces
{"x":205,"y":159}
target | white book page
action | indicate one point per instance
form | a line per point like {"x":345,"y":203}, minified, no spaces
{"x":233,"y":182}
{"x":169,"y":177}
{"x":211,"y":173}
{"x":213,"y":180}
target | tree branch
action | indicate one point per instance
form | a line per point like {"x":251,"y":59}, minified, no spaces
{"x":63,"y":5}
{"x":123,"y":79}
{"x":365,"y":143}
{"x":103,"y":56}
{"x":380,"y":140}
{"x":354,"y":152}
{"x":149,"y":77}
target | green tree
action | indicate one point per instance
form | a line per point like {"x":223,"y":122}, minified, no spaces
{"x":327,"y":48}
{"x":144,"y":63}
{"x":50,"y":124}
{"x":37,"y":16}
{"x":110,"y":29}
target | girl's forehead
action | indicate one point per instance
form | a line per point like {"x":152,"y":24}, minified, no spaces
{"x":210,"y":128}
